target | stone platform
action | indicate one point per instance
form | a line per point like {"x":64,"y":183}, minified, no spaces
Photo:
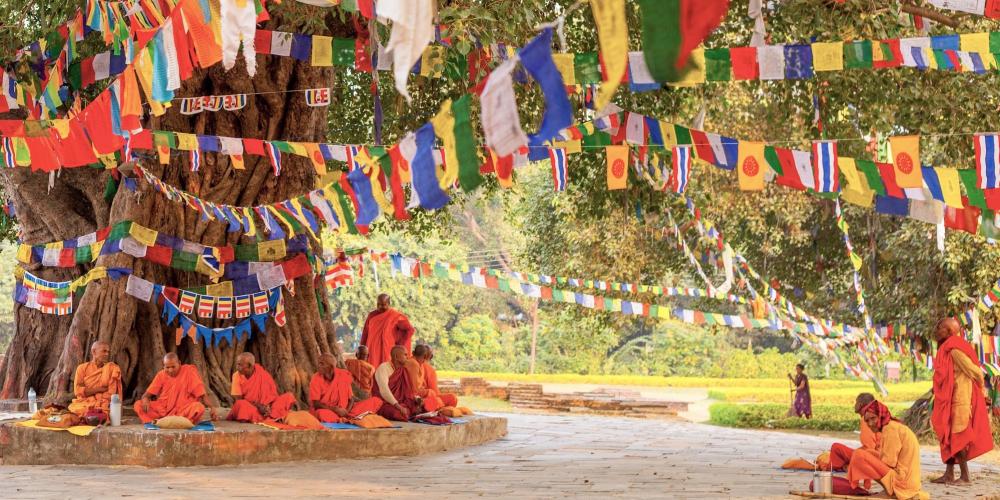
{"x":235,"y":444}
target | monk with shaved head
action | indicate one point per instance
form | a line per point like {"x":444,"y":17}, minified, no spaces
{"x":384,"y":329}
{"x":331,"y":398}
{"x":394,"y":385}
{"x":361,"y":370}
{"x":959,"y":417}
{"x":178,"y":390}
{"x":256,"y":394}
{"x":96,"y":381}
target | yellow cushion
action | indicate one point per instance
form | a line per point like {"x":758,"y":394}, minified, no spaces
{"x":303,"y":419}
{"x":372,"y":421}
{"x":174,"y":422}
{"x":798,"y":463}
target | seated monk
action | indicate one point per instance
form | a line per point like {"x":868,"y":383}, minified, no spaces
{"x":96,"y":381}
{"x":256,"y":393}
{"x":362,"y":372}
{"x":330,"y":394}
{"x":394,"y":387}
{"x":840,"y":454}
{"x":431,"y":380}
{"x":896,"y":464}
{"x":415,"y":365}
{"x":179,"y":391}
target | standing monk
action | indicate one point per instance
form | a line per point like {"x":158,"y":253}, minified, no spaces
{"x":256,"y":393}
{"x":96,"y":381}
{"x":959,"y":418}
{"x":330,"y":395}
{"x":394,"y":387}
{"x":361,"y":370}
{"x":179,"y":391}
{"x":384,"y":328}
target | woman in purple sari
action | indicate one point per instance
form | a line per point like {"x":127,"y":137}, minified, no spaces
{"x":803,"y":401}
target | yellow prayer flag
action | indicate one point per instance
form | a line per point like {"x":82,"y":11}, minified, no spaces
{"x":828,"y":56}
{"x":571,"y":147}
{"x":252,"y":227}
{"x":951,"y":186}
{"x":617,"y":166}
{"x":186,"y":142}
{"x":432,"y":61}
{"x":566,"y":64}
{"x":164,"y":154}
{"x":221,"y":289}
{"x":237,"y":161}
{"x":271,"y":250}
{"x":980,"y":44}
{"x":62,"y":127}
{"x":281,"y":220}
{"x":612,"y":33}
{"x":856,"y":189}
{"x":444,"y":128}
{"x":297,"y":205}
{"x":316,"y":157}
{"x":906,"y":160}
{"x":751,"y":166}
{"x":696,"y":70}
{"x":24,"y":253}
{"x":929,"y":57}
{"x":143,"y":235}
{"x":322,"y":50}
{"x":669,"y":134}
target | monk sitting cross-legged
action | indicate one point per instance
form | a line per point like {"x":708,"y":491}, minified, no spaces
{"x":384,"y":328}
{"x":256,"y":394}
{"x":896,"y":464}
{"x":179,"y":391}
{"x":840,"y":454}
{"x":362,"y":372}
{"x":96,"y":381}
{"x":959,"y":417}
{"x":330,"y":394}
{"x":431,"y":380}
{"x":394,"y":387}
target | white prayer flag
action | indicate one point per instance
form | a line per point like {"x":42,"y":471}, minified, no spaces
{"x":501,"y":122}
{"x":772,"y":62}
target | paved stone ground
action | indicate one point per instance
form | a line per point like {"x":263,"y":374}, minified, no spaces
{"x":544,"y":456}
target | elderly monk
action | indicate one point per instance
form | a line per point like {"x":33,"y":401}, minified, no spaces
{"x":96,"y":381}
{"x":959,"y":418}
{"x":896,"y":463}
{"x":361,"y":370}
{"x":431,"y":377}
{"x":256,"y":394}
{"x":384,"y":328}
{"x":330,"y":396}
{"x":394,"y":387}
{"x":178,"y":390}
{"x":840,"y":454}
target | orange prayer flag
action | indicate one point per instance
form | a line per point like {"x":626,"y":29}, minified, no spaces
{"x":316,"y":156}
{"x":237,"y":161}
{"x":906,"y":160}
{"x":751,"y":161}
{"x":617,"y":167}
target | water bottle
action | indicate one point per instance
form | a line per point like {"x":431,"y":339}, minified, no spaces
{"x":116,"y":410}
{"x":32,"y":401}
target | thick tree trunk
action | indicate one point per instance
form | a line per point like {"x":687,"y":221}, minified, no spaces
{"x":918,"y":419}
{"x":46,"y":349}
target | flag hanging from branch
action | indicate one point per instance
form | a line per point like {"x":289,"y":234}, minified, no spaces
{"x":612,"y":33}
{"x":682,"y":168}
{"x":557,"y":156}
{"x":988,"y":160}
{"x":672,"y":29}
{"x":826,"y":171}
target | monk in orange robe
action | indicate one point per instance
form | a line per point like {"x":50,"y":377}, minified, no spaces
{"x":840,"y":454}
{"x":959,"y":418}
{"x":431,"y":377}
{"x":361,"y":370}
{"x":414,"y":365}
{"x":385,"y":328}
{"x":179,"y":391}
{"x":96,"y":381}
{"x":256,"y":394}
{"x":896,"y":463}
{"x":330,"y":395}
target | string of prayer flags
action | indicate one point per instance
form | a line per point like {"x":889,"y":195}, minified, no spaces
{"x":195,"y":105}
{"x":206,"y":305}
{"x":671,"y":29}
{"x":317,"y":97}
{"x":56,"y":297}
{"x":560,"y":176}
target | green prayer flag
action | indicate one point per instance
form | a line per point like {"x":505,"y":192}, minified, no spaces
{"x":872,"y":174}
{"x":465,"y":145}
{"x":771,"y":156}
{"x":587,"y":67}
{"x":718,"y":65}
{"x":185,"y":261}
{"x":987,"y":229}
{"x":246,"y":253}
{"x":995,"y":42}
{"x":941,"y":59}
{"x":977,"y":197}
{"x":110,"y":189}
{"x":347,"y":207}
{"x":598,"y":139}
{"x":349,"y":5}
{"x":661,"y":38}
{"x":858,"y":54}
{"x":83,"y":255}
{"x":75,"y":76}
{"x":283,"y":146}
{"x":343,"y":52}
{"x":683,"y":135}
{"x":120,"y":230}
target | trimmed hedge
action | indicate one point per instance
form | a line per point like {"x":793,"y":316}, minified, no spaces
{"x":898,"y":393}
{"x":773,"y":416}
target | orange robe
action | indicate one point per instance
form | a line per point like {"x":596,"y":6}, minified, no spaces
{"x":174,"y":396}
{"x":896,"y":465}
{"x":258,"y":389}
{"x":383,"y":331}
{"x":362,"y":372}
{"x":960,"y":418}
{"x":89,"y":375}
{"x":419,"y":385}
{"x":840,"y":454}
{"x":431,"y":380}
{"x":337,"y":392}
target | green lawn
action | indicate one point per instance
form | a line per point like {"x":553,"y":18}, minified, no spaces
{"x":774,"y":416}
{"x":478,"y":404}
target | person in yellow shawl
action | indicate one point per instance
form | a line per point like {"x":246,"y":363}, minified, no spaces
{"x":96,"y":381}
{"x":896,"y":463}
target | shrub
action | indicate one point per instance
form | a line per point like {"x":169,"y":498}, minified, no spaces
{"x":899,"y":393}
{"x":774,"y":416}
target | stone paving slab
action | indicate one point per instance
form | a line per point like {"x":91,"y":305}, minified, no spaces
{"x":543,"y":456}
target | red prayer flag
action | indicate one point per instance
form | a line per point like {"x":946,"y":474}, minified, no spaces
{"x":889,"y":180}
{"x":962,"y":219}
{"x":744,"y":63}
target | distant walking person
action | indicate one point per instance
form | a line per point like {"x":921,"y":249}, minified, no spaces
{"x":802,"y":404}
